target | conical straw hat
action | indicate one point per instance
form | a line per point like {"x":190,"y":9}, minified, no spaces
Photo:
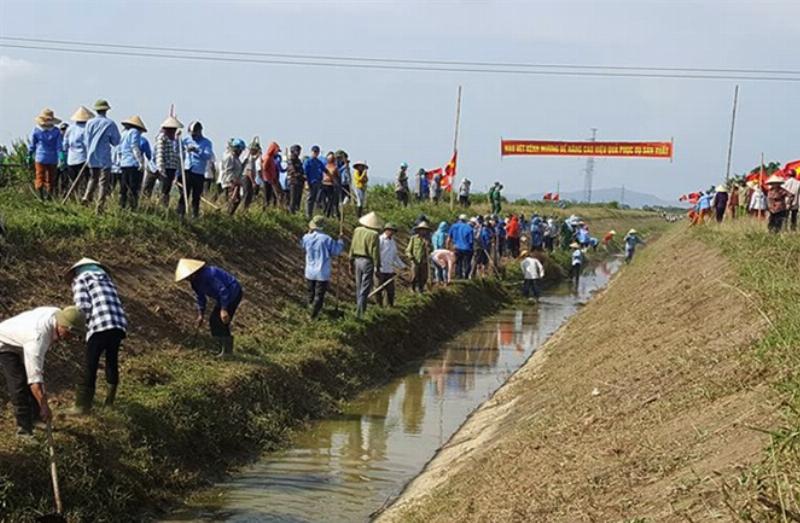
{"x":775,"y":179}
{"x":721,"y":188}
{"x":371,"y":221}
{"x":137,"y":122}
{"x":186,"y":267}
{"x":171,"y":123}
{"x":633,"y":231}
{"x":80,"y":263}
{"x":423,"y":225}
{"x":82,"y":114}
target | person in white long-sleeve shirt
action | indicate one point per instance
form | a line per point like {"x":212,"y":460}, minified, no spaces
{"x":390,"y":262}
{"x":532,"y":272}
{"x":24,"y":342}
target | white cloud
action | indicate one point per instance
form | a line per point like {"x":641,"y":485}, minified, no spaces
{"x":15,"y":67}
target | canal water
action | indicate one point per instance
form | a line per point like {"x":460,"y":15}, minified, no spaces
{"x":344,"y":468}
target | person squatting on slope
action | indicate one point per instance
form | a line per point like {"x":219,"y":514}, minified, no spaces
{"x":223,"y":288}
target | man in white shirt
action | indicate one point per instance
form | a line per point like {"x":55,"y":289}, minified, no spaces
{"x":390,"y":261}
{"x":24,"y":342}
{"x":532,"y":272}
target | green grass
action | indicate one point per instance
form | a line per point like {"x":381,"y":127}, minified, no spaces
{"x":768,"y":267}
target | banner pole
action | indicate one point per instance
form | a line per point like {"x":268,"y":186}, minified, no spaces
{"x":761,"y":184}
{"x":455,"y":148}
{"x":730,"y":141}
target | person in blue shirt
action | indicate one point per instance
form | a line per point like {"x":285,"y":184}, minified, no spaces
{"x":320,"y":250}
{"x":537,"y":233}
{"x":44,"y":149}
{"x":74,"y":144}
{"x":314,"y":168}
{"x":460,"y":238}
{"x":439,"y":238}
{"x":101,"y":135}
{"x":631,"y":241}
{"x":343,"y":191}
{"x":131,"y":162}
{"x":704,"y":206}
{"x":197,"y":151}
{"x":222,"y":287}
{"x":424,"y":185}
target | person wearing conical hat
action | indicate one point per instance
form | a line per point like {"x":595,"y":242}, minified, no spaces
{"x":74,"y":144}
{"x":167,"y":160}
{"x":631,"y":240}
{"x":320,"y":250}
{"x":132,"y":161}
{"x":776,"y":203}
{"x":198,"y":151}
{"x":209,"y":281}
{"x":25,"y":340}
{"x":390,"y":262}
{"x":365,"y":257}
{"x":576,"y":262}
{"x":95,"y":294}
{"x":418,"y":252}
{"x":101,"y":135}
{"x":46,"y":143}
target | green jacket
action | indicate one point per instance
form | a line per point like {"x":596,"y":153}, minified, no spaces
{"x":417,"y":249}
{"x":366,"y":244}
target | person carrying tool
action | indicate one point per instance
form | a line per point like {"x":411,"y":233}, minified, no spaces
{"x":532,"y":273}
{"x":131,"y":161}
{"x":390,"y":262}
{"x":418,"y":251}
{"x":320,"y":250}
{"x":198,"y":151}
{"x":95,"y":294}
{"x":46,"y":142}
{"x":631,"y":240}
{"x":101,"y":135}
{"x":365,"y":257}
{"x":24,"y":342}
{"x":167,"y":160}
{"x":74,"y":144}
{"x":223,"y":288}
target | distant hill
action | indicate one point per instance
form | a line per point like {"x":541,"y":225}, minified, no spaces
{"x":614,"y":194}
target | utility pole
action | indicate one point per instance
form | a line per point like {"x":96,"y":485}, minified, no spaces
{"x":589,"y":171}
{"x":730,"y":142}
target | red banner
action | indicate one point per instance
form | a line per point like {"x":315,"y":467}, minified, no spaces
{"x":608,"y":149}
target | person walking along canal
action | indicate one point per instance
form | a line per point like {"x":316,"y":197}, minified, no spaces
{"x":631,"y":240}
{"x":96,"y":296}
{"x":223,"y":288}
{"x":24,"y":342}
{"x":365,"y":257}
{"x":320,"y":250}
{"x":532,"y":273}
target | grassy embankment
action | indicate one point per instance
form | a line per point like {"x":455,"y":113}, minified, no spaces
{"x":768,"y":270}
{"x":182,"y":416}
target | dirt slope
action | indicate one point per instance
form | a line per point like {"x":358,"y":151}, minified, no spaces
{"x":642,"y":406}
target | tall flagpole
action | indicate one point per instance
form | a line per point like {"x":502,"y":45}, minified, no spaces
{"x":455,"y":148}
{"x":730,"y":142}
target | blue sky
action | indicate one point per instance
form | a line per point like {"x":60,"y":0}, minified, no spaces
{"x":386,"y":117}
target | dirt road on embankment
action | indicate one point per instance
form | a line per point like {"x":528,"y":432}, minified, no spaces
{"x":644,"y":407}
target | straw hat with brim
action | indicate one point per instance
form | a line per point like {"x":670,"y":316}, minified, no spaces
{"x":135,"y":121}
{"x":101,"y":105}
{"x":316,"y":223}
{"x":83,"y":262}
{"x":775,"y":179}
{"x":362,"y":164}
{"x":390,"y":227}
{"x":371,"y":221}
{"x":523,"y":254}
{"x":612,"y":231}
{"x":47,"y":118}
{"x":633,"y":231}
{"x":71,"y":318}
{"x":82,"y":115}
{"x":186,"y":267}
{"x":171,"y":123}
{"x":423,"y":225}
{"x":574,"y":245}
{"x":721,"y":188}
{"x":463,"y":217}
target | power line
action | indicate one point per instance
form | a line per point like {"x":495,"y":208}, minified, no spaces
{"x":405,"y":60}
{"x":333,"y":63}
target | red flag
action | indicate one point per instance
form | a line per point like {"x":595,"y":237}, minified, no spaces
{"x":556,"y":197}
{"x":792,"y":166}
{"x":547,"y":196}
{"x":450,"y":173}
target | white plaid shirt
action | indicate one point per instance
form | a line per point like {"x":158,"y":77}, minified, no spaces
{"x":96,"y":295}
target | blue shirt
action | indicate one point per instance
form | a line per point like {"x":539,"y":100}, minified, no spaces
{"x":144,"y":146}
{"x":704,"y":202}
{"x":101,"y":135}
{"x":131,"y":138}
{"x":314,"y":168}
{"x":485,"y":238}
{"x":75,"y":143}
{"x":320,"y":248}
{"x":195,"y":161}
{"x":461,"y":236}
{"x":217,"y":284}
{"x":45,"y":144}
{"x":439,"y":238}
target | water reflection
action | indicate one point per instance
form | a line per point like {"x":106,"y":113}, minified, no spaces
{"x":344,"y":468}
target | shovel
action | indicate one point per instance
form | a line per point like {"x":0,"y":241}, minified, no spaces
{"x":55,"y":517}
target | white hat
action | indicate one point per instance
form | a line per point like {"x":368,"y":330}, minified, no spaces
{"x":775,"y":179}
{"x":186,"y":267}
{"x":633,"y":231}
{"x":721,"y":188}
{"x":371,"y":221}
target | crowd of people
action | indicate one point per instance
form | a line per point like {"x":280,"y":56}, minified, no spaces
{"x":91,"y":159}
{"x":777,"y":200}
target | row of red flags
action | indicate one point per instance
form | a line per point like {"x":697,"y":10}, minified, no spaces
{"x":759,"y":174}
{"x":551,"y":197}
